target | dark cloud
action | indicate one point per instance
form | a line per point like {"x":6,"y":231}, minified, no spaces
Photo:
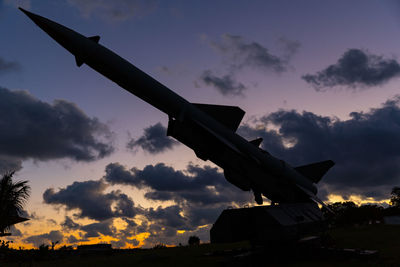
{"x":8,"y":164}
{"x":116,"y":9}
{"x":366,"y":148}
{"x":52,"y":236}
{"x":8,"y":66}
{"x":34,"y":129}
{"x":72,"y":239}
{"x":226,"y":85}
{"x":91,"y":200}
{"x":168,"y":217}
{"x":69,"y":224}
{"x":240,"y":54}
{"x":96,"y":229}
{"x":162,"y":178}
{"x":118,"y":174}
{"x":200,"y":185}
{"x":356,"y":68}
{"x":154,"y":140}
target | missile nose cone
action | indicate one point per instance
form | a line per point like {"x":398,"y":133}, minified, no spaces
{"x":32,"y":16}
{"x":69,"y":39}
{"x":23,"y":10}
{"x":50,"y":27}
{"x":45,"y":24}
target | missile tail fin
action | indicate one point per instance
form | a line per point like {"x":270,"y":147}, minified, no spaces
{"x":79,"y":62}
{"x":315,"y":171}
{"x":257,"y":142}
{"x":95,"y":38}
{"x":230,"y":116}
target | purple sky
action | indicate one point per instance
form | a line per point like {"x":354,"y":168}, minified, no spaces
{"x":256,"y":56}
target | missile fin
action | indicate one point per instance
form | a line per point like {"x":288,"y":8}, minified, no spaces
{"x":95,"y":38}
{"x":79,"y":62}
{"x":315,"y":171}
{"x":230,"y":116}
{"x":257,"y":142}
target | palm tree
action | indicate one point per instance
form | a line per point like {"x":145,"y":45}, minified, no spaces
{"x":13,"y":196}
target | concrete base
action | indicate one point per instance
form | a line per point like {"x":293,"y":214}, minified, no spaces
{"x":276,"y":223}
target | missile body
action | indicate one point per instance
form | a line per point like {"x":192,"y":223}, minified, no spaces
{"x":207,"y":129}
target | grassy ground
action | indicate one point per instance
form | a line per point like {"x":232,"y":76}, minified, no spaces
{"x":384,"y":238}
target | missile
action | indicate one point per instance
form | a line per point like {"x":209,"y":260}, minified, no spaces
{"x":209,"y":130}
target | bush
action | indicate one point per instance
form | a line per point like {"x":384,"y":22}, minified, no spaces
{"x":160,"y":245}
{"x":5,"y":245}
{"x":44,"y":247}
{"x":194,"y":240}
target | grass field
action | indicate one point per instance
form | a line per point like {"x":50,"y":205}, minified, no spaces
{"x":384,"y":238}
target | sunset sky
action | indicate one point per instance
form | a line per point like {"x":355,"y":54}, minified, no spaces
{"x":318,"y":80}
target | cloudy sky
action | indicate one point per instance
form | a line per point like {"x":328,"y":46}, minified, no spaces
{"x":318,"y":80}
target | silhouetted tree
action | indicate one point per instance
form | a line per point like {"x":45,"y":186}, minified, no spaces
{"x":53,"y":244}
{"x":13,"y":196}
{"x":395,"y":197}
{"x":369,"y":213}
{"x":5,"y":245}
{"x":44,"y":247}
{"x":394,"y":208}
{"x":342,"y":213}
{"x":194,"y":240}
{"x":159,"y":246}
{"x":65,"y":247}
{"x":348,"y":213}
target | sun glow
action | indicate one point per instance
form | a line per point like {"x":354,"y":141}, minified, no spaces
{"x":357,"y":199}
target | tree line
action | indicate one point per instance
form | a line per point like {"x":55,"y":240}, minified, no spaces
{"x":348,"y":213}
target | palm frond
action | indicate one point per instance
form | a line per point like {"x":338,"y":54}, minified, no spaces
{"x":13,"y":197}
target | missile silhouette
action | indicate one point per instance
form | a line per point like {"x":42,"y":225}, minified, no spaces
{"x":210,"y":130}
